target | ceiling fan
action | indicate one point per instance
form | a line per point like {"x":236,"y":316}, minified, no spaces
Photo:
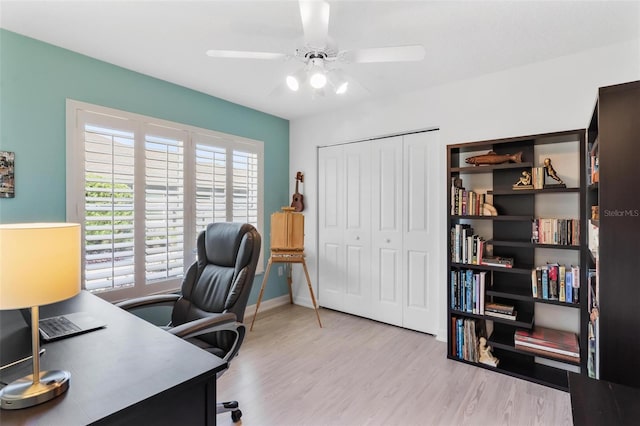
{"x":320,"y":52}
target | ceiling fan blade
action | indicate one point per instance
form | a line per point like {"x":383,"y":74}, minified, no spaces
{"x":241,"y":54}
{"x":315,"y":22}
{"x":385,"y":54}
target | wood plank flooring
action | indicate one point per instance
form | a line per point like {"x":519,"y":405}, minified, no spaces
{"x":356,"y":371}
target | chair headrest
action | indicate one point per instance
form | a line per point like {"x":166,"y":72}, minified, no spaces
{"x":222,"y":241}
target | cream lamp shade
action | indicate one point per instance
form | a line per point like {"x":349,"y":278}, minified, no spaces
{"x":39,"y":263}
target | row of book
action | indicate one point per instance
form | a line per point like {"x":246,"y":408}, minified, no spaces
{"x":465,"y":338}
{"x":548,"y":342}
{"x":466,"y":203}
{"x":466,"y":247}
{"x":537,"y":177}
{"x":467,"y":290}
{"x":556,"y":282}
{"x":556,"y":231}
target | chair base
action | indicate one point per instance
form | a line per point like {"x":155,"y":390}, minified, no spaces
{"x":224,"y":407}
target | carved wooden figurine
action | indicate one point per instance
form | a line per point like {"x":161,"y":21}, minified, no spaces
{"x":486,"y":357}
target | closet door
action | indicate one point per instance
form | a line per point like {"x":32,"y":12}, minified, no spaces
{"x":357,"y":229}
{"x":421,"y":263}
{"x":386,"y":230}
{"x":331,"y":224}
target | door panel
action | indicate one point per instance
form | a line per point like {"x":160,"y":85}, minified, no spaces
{"x":331,"y":276}
{"x":357,"y":233}
{"x":386,"y":215}
{"x":420,"y":304}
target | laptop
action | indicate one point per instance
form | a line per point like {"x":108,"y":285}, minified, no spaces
{"x":66,"y":325}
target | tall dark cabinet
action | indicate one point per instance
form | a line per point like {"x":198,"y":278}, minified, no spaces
{"x":614,"y":137}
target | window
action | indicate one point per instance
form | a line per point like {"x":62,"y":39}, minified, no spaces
{"x":143,"y":189}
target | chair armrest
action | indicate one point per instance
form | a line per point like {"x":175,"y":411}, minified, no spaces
{"x":205,"y":325}
{"x":140,"y":302}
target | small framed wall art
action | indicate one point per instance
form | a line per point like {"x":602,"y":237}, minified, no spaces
{"x":7,"y":179}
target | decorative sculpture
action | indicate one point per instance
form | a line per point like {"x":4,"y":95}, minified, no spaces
{"x":524,"y":182}
{"x":492,"y":157}
{"x":486,"y":357}
{"x":551,"y":172}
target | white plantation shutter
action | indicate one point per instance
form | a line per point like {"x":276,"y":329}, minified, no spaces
{"x":245,"y":187}
{"x":164,"y":208}
{"x":144,"y":188}
{"x":211,"y":185}
{"x":108,"y":205}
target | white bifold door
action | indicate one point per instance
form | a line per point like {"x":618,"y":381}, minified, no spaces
{"x":377,"y":242}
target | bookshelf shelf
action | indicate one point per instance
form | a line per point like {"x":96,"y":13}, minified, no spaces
{"x":509,"y":235}
{"x":527,"y":244}
{"x":532,"y":191}
{"x":488,"y":168}
{"x":515,"y":218}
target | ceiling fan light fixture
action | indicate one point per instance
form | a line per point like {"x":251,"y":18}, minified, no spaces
{"x":318,"y":80}
{"x":293,"y":83}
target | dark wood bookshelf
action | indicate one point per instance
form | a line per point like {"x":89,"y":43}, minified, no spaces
{"x":613,"y":135}
{"x":511,"y":237}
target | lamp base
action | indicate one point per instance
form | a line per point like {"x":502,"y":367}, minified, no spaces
{"x":23,"y":393}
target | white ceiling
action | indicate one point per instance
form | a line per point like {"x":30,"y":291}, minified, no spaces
{"x":168,"y":40}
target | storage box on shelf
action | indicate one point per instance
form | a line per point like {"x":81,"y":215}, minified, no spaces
{"x":501,"y":243}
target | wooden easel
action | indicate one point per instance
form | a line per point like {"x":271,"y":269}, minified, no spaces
{"x":287,"y":246}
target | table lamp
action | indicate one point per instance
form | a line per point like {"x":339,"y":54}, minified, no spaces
{"x":39,"y":264}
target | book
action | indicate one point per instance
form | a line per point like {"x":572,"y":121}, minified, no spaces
{"x":568,"y":287}
{"x":549,"y":354}
{"x":575,"y":282}
{"x":534,"y":284}
{"x":551,"y":339}
{"x":547,"y":349}
{"x":512,"y":316}
{"x":552,"y":269}
{"x":499,"y":307}
{"x":539,"y":281}
{"x":483,"y":279}
{"x":503,"y":262}
{"x":545,"y":283}
{"x":562,"y":274}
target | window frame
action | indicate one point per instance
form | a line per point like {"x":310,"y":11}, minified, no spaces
{"x":77,"y":113}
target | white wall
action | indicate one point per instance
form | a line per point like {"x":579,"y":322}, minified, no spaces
{"x":543,"y":97}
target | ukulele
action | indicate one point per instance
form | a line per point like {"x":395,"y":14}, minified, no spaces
{"x":297,"y":203}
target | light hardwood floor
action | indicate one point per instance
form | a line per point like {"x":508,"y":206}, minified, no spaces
{"x":356,"y":371}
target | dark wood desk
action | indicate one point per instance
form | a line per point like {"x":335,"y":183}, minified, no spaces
{"x":129,"y":373}
{"x":598,"y":402}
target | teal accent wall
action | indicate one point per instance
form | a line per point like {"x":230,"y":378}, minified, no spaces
{"x":36,"y":79}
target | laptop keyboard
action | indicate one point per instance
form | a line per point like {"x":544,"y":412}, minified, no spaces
{"x":58,"y":326}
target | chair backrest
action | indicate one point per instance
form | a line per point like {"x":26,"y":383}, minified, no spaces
{"x":221,"y":279}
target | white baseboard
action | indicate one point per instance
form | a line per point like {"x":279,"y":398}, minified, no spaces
{"x":265,"y":305}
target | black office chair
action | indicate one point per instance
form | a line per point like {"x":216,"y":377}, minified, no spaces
{"x":210,"y":309}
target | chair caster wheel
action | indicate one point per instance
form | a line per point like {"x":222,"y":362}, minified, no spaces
{"x":235,"y":415}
